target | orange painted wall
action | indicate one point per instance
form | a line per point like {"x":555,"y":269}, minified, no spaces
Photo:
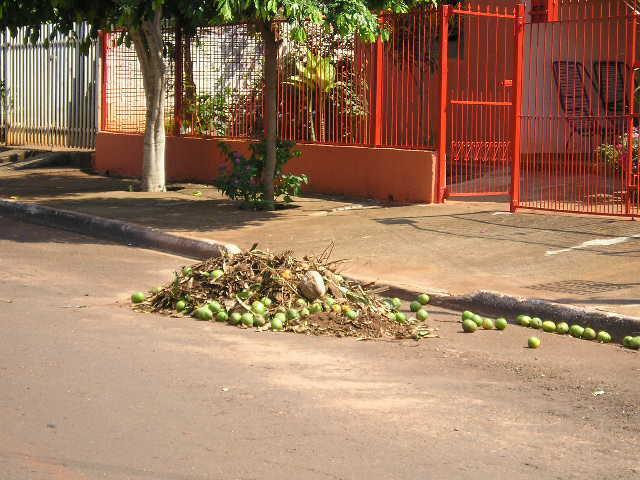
{"x":378,"y":173}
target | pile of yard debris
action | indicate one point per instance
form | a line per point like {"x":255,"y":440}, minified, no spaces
{"x":258,"y":289}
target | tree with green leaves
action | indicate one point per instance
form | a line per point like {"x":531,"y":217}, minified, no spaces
{"x":345,"y":17}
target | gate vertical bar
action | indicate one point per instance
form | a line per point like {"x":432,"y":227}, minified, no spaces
{"x":444,"y":74}
{"x":517,"y":107}
{"x":631,"y":85}
{"x":376,"y":124}
{"x":178,"y":82}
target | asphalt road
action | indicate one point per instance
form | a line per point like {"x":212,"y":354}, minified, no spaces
{"x":90,"y":389}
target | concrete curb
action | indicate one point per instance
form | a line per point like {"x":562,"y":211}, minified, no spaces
{"x":116,"y":230}
{"x":482,"y":302}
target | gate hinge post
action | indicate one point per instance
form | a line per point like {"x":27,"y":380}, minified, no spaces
{"x":444,"y":73}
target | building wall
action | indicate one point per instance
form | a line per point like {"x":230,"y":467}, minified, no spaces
{"x":382,"y":174}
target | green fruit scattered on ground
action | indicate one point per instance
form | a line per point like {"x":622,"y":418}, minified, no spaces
{"x":259,"y":321}
{"x":487,"y":324}
{"x":216,"y":274}
{"x":304,"y":312}
{"x":222,"y":316}
{"x":467,"y":315}
{"x":627,"y":341}
{"x":266,"y":301}
{"x":247,"y":319}
{"x":292,"y":314}
{"x":501,"y":323}
{"x":562,"y":328}
{"x":277,"y":324}
{"x":549,"y":326}
{"x":603,"y":337}
{"x":533,"y":342}
{"x":215,"y":306}
{"x":478,"y":319}
{"x":187,"y":271}
{"x":423,"y":298}
{"x":137,"y":297}
{"x":589,"y":334}
{"x":400,"y":317}
{"x":415,"y":306}
{"x":422,"y":314}
{"x":301,"y":303}
{"x":576,"y":331}
{"x":258,"y":308}
{"x":282,"y":316}
{"x":524,"y":320}
{"x":396,"y":302}
{"x":635,"y":343}
{"x":352,"y":314}
{"x":244,"y":294}
{"x":180,"y":305}
{"x":235,"y":318}
{"x":315,"y":307}
{"x":536,"y":323}
{"x":469,"y":326}
{"x":329,"y":301}
{"x":203,"y":313}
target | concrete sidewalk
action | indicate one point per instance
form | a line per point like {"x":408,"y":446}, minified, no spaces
{"x":459,"y":247}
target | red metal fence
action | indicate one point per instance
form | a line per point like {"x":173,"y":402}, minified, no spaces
{"x":579,"y":118}
{"x":543,"y":112}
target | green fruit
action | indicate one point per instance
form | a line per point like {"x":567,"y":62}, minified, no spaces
{"x":258,"y":308}
{"x":259,"y":321}
{"x":415,"y":306}
{"x":216,"y":274}
{"x":292,"y":314}
{"x":180,"y":305}
{"x":304,"y":312}
{"x":603,"y":337}
{"x":562,"y":328}
{"x":589,"y":334}
{"x":247,"y":319}
{"x":467,"y":315}
{"x":627,"y":341}
{"x":329,"y":301}
{"x":277,"y":324}
{"x":222,"y":317}
{"x":187,"y":271}
{"x":315,"y":307}
{"x":524,"y":320}
{"x":400,"y":317}
{"x":351,"y":314}
{"x":244,"y":294}
{"x":549,"y":326}
{"x":235,"y":318}
{"x":336,"y":308}
{"x":396,"y":302}
{"x":469,"y":326}
{"x":501,"y":323}
{"x":576,"y":331}
{"x":536,"y":323}
{"x":137,"y":297}
{"x":478,"y":319}
{"x":301,"y":303}
{"x":281,"y":316}
{"x":533,"y":342}
{"x":423,"y":299}
{"x":215,"y":306}
{"x":156,"y":290}
{"x":266,"y":301}
{"x":487,"y":324}
{"x":203,"y":313}
{"x":422,"y":314}
{"x":635,"y":343}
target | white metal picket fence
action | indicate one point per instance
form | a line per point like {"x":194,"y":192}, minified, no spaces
{"x":50,"y":93}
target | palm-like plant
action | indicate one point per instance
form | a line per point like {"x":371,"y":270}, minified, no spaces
{"x":317,"y":75}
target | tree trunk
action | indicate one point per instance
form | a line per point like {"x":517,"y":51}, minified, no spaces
{"x":189,"y":103}
{"x":271,"y":109}
{"x":147,"y":40}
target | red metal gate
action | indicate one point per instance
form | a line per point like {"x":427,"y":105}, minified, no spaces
{"x":480,"y":101}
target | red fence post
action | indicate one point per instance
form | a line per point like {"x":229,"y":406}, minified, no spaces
{"x":376,"y":120}
{"x":444,"y":80}
{"x":178,"y":84}
{"x":631,"y":86}
{"x":104,"y":113}
{"x":517,"y":107}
